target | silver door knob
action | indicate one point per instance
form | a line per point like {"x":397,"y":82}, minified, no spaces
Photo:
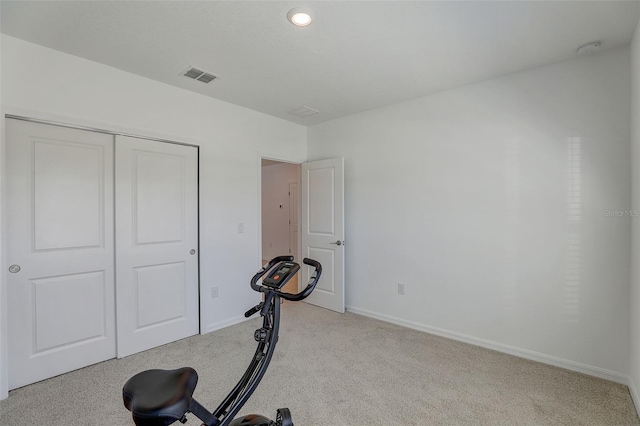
{"x":192,"y":252}
{"x":338,"y":243}
{"x":14,"y":269}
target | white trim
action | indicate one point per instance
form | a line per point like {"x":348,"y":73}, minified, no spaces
{"x":297,"y":253}
{"x":500,"y":347}
{"x":93,"y":129}
{"x":4,"y":328}
{"x":278,"y":157}
{"x":224,"y":324}
{"x":93,"y":125}
{"x":635,"y":396}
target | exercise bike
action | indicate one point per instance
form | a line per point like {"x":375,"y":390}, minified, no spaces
{"x":162,"y":397}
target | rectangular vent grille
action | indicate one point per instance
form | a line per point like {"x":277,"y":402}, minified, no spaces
{"x":303,"y":111}
{"x":206,"y":78}
{"x":199,"y":75}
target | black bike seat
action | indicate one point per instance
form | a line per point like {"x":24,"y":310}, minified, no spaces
{"x":159,"y":397}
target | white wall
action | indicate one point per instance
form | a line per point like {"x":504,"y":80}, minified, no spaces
{"x":489,"y":202}
{"x":47,"y":84}
{"x":634,"y":353}
{"x":275,"y":220}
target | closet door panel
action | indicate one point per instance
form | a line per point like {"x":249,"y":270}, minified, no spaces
{"x":61,"y":248}
{"x":156,"y":243}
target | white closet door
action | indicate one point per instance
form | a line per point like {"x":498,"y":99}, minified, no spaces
{"x":60,"y":248}
{"x":156,"y":243}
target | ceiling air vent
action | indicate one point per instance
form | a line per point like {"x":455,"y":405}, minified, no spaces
{"x":303,"y":111}
{"x":200,"y":75}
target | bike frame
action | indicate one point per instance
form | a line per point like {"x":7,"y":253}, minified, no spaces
{"x":259,"y":364}
{"x":267,"y":338}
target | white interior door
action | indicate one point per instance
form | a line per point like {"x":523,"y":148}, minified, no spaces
{"x":323,"y":229}
{"x":60,"y":245}
{"x":293,"y":219}
{"x":157,"y":242}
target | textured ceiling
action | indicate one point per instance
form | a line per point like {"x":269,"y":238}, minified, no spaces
{"x":355,"y":55}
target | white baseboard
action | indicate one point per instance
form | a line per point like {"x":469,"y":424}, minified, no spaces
{"x":512,"y":350}
{"x":224,"y":324}
{"x":635,"y":396}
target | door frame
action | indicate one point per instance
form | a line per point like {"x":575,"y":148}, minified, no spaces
{"x":297,"y":253}
{"x":8,"y":112}
{"x":281,"y":159}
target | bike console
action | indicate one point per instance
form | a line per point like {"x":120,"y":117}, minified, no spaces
{"x":282,"y":273}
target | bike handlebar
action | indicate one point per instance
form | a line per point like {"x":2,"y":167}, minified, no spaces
{"x":253,"y":310}
{"x":287,"y":296}
{"x":310,"y":286}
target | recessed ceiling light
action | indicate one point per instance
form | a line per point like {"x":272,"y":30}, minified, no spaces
{"x":299,"y":17}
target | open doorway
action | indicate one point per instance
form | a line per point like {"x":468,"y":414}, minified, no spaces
{"x":280,"y":212}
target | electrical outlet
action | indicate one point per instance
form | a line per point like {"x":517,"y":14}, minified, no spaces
{"x":214,"y":292}
{"x":400,"y":288}
{"x":240,"y":228}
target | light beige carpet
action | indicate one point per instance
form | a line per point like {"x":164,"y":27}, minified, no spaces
{"x":333,"y":369}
